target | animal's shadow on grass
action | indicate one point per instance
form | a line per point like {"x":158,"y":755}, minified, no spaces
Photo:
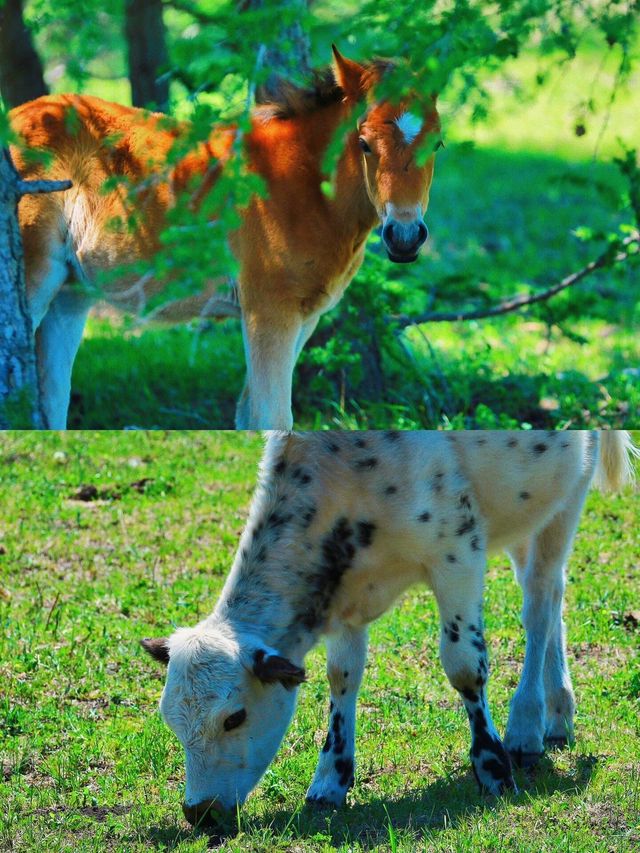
{"x":442,"y":805}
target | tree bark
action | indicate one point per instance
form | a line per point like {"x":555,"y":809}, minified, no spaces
{"x":147,"y":52}
{"x":19,"y":392}
{"x":21,"y":75}
{"x":287,"y":55}
{"x":19,"y":399}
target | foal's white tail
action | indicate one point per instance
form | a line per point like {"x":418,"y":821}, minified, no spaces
{"x":615,"y":463}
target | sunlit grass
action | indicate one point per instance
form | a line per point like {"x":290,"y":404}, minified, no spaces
{"x":582,"y":94}
{"x":88,"y":765}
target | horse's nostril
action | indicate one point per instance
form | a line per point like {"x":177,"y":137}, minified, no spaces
{"x":205,"y":813}
{"x":423,"y":232}
{"x":387,"y":233}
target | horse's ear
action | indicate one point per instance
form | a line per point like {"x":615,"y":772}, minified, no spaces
{"x":350,"y":76}
{"x":270,"y":668}
{"x":157,"y":647}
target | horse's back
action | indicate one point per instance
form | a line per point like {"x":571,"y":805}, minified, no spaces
{"x":521,"y":479}
{"x":89,"y":141}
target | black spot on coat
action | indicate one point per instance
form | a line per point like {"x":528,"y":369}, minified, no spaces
{"x":336,"y":556}
{"x":366,"y":529}
{"x":344,"y":767}
{"x":466,"y":525}
{"x":366,"y":464}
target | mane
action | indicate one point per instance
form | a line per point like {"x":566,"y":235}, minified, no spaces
{"x":290,"y":100}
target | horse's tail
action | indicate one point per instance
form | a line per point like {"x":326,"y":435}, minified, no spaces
{"x":615,"y":466}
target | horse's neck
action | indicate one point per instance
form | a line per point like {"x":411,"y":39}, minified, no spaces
{"x":355,"y":214}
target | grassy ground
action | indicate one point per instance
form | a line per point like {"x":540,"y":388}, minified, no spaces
{"x":87,"y":763}
{"x":507,"y":197}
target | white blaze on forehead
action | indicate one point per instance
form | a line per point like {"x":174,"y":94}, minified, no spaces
{"x":409,"y":125}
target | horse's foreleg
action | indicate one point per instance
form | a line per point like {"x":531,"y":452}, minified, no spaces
{"x":271,"y":349}
{"x":346,"y":656}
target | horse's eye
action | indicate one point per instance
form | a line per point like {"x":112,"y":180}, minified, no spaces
{"x":364,"y":145}
{"x":439,"y":144}
{"x":235,"y":720}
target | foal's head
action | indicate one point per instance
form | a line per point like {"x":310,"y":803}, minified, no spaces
{"x":392,"y":140}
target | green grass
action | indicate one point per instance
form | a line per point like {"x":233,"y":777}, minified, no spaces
{"x":88,"y":765}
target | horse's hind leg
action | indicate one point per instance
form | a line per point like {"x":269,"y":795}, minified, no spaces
{"x":543,"y":704}
{"x":57,"y":340}
{"x":558,"y":690}
{"x":559,"y":703}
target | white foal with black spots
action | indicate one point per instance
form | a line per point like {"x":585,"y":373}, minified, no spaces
{"x":343,"y":523}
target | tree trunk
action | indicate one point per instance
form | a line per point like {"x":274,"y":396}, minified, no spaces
{"x":287,"y":54}
{"x":19,"y":391}
{"x":21,"y":75}
{"x":19,"y":397}
{"x":147,"y":52}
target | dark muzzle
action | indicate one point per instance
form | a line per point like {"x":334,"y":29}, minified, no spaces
{"x":403,"y":240}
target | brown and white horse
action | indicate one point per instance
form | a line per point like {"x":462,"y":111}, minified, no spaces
{"x":297,"y":249}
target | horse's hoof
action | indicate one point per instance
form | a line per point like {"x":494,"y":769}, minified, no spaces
{"x":321,"y":803}
{"x":525,"y":759}
{"x":560,"y":742}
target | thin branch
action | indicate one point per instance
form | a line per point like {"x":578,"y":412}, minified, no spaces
{"x":32,"y":187}
{"x":517,"y":302}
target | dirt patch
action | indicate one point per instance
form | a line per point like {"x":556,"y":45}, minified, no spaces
{"x":97,"y":813}
{"x":90,"y":493}
{"x":605,"y":817}
{"x":607,"y":660}
{"x":629,"y":620}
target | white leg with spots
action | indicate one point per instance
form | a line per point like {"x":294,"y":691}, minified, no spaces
{"x":543,"y":702}
{"x":346,"y":657}
{"x":459,"y":589}
{"x":57,"y":340}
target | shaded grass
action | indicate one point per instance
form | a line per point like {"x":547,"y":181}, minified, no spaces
{"x":87,"y":764}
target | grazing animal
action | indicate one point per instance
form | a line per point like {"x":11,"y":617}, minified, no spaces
{"x":297,"y":249}
{"x":340,"y":525}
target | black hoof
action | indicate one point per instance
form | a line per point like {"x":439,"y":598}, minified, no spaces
{"x":321,"y":803}
{"x":525,"y":759}
{"x":509,"y":785}
{"x":557,"y":742}
{"x":498,"y":786}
